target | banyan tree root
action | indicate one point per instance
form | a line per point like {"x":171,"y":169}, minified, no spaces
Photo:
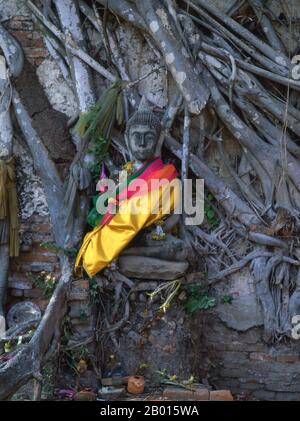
{"x":218,"y":64}
{"x":6,"y":148}
{"x":28,"y":362}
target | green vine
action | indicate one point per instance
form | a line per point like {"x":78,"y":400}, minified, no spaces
{"x":197,"y":298}
{"x":70,"y":252}
{"x":45,"y":281}
{"x":94,"y":291}
{"x":210,"y":212}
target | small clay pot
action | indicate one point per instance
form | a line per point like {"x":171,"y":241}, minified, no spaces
{"x":136,"y":385}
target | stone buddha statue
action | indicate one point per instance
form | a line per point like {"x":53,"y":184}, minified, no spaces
{"x":154,"y":253}
{"x":141,"y":243}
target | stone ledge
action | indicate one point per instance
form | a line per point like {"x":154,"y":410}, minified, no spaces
{"x":198,"y":394}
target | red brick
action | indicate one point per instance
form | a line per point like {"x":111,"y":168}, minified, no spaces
{"x":37,"y":219}
{"x":26,"y":248}
{"x":15,"y":24}
{"x":23,"y":36}
{"x":18,"y":22}
{"x":11,"y":301}
{"x":176,"y":393}
{"x":25,"y":225}
{"x":35,"y":52}
{"x":39,"y":248}
{"x":287,"y":358}
{"x":34,"y":293}
{"x":81,"y":284}
{"x":38,"y":257}
{"x":36,"y":63}
{"x":220,"y":395}
{"x":260,"y":356}
{"x":38,"y":43}
{"x":77,"y":321}
{"x":38,"y":237}
{"x":16,"y":292}
{"x":14,"y":266}
{"x":41,"y":303}
{"x":85,"y":395}
{"x":19,"y":284}
{"x":42,"y":227}
{"x":252,"y":381}
{"x":36,"y":35}
{"x":79,"y":296}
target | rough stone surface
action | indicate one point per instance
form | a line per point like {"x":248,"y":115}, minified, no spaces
{"x":32,"y":199}
{"x":56,"y":88}
{"x":51,"y":125}
{"x":175,"y":393}
{"x":242,"y":362}
{"x":11,"y":8}
{"x":140,"y":60}
{"x":151,"y":268}
{"x":220,"y":395}
{"x":244,"y":311}
{"x":156,"y":341}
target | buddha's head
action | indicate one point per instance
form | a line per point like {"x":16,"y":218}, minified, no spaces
{"x":142,"y":133}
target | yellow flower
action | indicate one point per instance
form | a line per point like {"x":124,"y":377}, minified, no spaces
{"x":191,"y":379}
{"x":129,"y":166}
{"x":81,"y":366}
{"x":7,"y":346}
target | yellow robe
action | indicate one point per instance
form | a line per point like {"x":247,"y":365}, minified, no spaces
{"x":106,"y":242}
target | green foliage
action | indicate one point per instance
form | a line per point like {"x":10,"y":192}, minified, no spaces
{"x":98,"y":122}
{"x":210,"y":213}
{"x":45,"y":281}
{"x":94,"y":291}
{"x":83,"y":315}
{"x":70,"y":252}
{"x":198,"y":299}
{"x":98,"y":149}
{"x":163,"y":377}
{"x":74,"y":357}
{"x":67,"y":330}
{"x":227,"y":299}
{"x":47,"y":382}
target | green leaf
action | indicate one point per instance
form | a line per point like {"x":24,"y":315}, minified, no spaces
{"x":210,"y":214}
{"x":227,"y":299}
{"x":203,"y":302}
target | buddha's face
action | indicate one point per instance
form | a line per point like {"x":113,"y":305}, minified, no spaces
{"x":141,"y":141}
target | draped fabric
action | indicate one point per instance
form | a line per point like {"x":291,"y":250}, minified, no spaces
{"x":137,"y":208}
{"x":9,"y":223}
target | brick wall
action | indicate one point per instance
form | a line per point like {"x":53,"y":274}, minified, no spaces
{"x":28,"y":272}
{"x":243,"y":362}
{"x":33,"y":262}
{"x":22,"y":28}
{"x":34,"y":259}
